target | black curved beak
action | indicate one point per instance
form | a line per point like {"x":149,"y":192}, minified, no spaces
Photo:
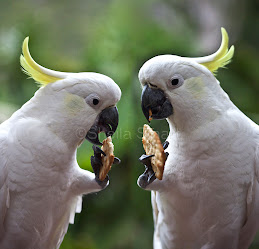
{"x":154,"y":103}
{"x":107,"y":122}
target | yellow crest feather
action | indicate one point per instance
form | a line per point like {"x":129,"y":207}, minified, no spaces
{"x":221,"y":58}
{"x":30,"y":67}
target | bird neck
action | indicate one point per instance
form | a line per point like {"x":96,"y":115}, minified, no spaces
{"x":53,"y":120}
{"x":189,"y":119}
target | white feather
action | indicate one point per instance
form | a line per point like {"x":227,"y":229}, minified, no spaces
{"x":208,"y":198}
{"x":41,"y":184}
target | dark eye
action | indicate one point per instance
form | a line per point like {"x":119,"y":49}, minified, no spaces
{"x":95,"y":101}
{"x":176,"y":81}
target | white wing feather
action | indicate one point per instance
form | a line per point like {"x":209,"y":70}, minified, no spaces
{"x":156,"y":239}
{"x":4,"y":190}
{"x":251,"y":225}
{"x":16,"y":164}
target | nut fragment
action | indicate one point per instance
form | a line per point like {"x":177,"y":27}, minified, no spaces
{"x":107,"y":160}
{"x":150,"y":115}
{"x":153,"y":146}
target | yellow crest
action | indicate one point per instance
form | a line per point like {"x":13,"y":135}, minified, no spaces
{"x":40,"y":74}
{"x":220,"y":58}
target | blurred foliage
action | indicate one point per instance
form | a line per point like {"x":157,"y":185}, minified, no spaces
{"x":114,"y":38}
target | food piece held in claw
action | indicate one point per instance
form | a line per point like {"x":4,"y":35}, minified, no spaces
{"x":150,"y":115}
{"x":153,"y":146}
{"x":107,"y":160}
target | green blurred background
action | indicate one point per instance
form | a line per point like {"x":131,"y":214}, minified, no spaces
{"x":115,"y":37}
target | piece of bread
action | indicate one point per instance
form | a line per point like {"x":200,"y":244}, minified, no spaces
{"x":153,"y":146}
{"x":107,"y":160}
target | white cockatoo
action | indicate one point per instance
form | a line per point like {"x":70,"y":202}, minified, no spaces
{"x":209,"y":195}
{"x":41,"y":184}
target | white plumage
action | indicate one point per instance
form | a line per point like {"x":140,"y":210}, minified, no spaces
{"x":41,"y":184}
{"x":209,"y":195}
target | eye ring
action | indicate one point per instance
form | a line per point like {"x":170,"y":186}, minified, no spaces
{"x":176,"y":81}
{"x":93,"y":100}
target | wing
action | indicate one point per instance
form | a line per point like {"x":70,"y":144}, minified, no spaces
{"x":76,"y":207}
{"x":257,"y":153}
{"x":251,"y":225}
{"x":4,"y":190}
{"x":156,"y":239}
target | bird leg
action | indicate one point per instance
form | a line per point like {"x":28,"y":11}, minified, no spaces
{"x":96,"y":162}
{"x":149,"y":175}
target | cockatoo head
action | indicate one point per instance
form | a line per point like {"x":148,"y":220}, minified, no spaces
{"x":73,"y":105}
{"x":184,"y":90}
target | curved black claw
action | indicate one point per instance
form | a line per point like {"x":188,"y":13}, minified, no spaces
{"x":146,"y":178}
{"x":98,"y":151}
{"x":149,"y":175}
{"x":145,"y":159}
{"x":96,"y":162}
{"x":165,"y":144}
{"x":116,"y":160}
